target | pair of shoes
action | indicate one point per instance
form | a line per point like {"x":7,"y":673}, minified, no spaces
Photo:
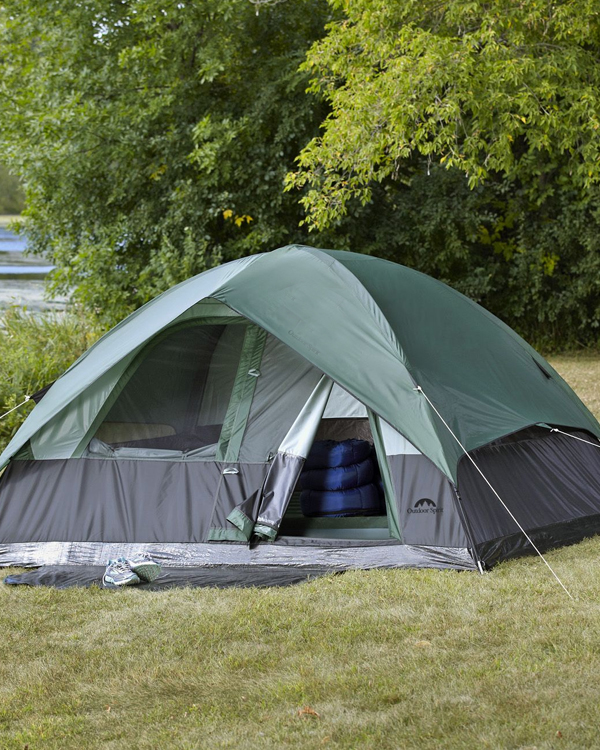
{"x":129,"y":572}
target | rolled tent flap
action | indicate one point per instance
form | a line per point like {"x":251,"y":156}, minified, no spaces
{"x":277,"y":491}
{"x":287,"y":464}
{"x":263,"y":519}
{"x":301,"y":434}
{"x":243,"y":514}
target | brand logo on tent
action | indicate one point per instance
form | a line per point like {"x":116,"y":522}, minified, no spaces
{"x":425,"y":505}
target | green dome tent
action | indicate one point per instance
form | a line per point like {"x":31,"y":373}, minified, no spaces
{"x":183,"y":431}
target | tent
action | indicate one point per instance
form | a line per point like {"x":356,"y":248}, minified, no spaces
{"x":184,"y":430}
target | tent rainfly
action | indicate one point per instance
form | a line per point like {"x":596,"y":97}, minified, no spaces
{"x":184,"y":430}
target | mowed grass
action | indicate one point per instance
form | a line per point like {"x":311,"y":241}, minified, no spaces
{"x":385,"y":658}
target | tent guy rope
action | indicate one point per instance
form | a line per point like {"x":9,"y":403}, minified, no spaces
{"x":581,"y":440}
{"x":504,"y":505}
{"x":15,"y":407}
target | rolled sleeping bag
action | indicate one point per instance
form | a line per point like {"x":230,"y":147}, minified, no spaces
{"x":327,"y":454}
{"x":358,"y":501}
{"x":338,"y":477}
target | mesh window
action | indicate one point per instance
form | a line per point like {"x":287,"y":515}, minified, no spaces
{"x":178,"y":394}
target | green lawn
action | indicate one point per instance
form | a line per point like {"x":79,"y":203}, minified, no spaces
{"x":387,"y":659}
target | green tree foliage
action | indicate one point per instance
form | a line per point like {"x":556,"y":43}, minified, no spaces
{"x":471,"y":134}
{"x":497,"y":88}
{"x":11,"y":195}
{"x":153,"y":136}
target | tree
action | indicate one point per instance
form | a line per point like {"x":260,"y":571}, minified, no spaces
{"x":153,"y":136}
{"x":11,"y":197}
{"x":498,"y":90}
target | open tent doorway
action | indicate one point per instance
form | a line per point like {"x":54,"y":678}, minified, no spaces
{"x":340,"y":493}
{"x":401,"y":496}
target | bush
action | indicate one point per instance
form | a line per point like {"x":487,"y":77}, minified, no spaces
{"x":152,"y":128}
{"x":11,"y":195}
{"x":34,"y":351}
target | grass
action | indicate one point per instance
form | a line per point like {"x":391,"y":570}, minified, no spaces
{"x":411,"y":659}
{"x":582,"y":372}
{"x":34,"y":351}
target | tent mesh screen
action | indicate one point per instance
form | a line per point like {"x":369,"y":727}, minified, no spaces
{"x":177,"y":393}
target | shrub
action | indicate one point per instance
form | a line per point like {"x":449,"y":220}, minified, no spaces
{"x":34,"y":351}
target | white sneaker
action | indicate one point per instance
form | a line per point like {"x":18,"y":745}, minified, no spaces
{"x":119,"y":573}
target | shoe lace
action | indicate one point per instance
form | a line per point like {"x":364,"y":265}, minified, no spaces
{"x":120,"y":566}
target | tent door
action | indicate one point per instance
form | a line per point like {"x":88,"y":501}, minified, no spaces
{"x":344,"y":418}
{"x":288,"y":462}
{"x":236,"y":502}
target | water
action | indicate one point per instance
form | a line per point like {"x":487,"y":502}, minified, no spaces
{"x":22,"y":276}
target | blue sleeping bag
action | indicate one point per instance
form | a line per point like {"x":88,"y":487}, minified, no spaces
{"x":359,"y":501}
{"x":327,"y":454}
{"x":338,"y":477}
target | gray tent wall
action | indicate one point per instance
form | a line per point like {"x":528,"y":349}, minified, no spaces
{"x":426,"y":501}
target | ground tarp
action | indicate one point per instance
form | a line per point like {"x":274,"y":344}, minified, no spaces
{"x":230,"y":576}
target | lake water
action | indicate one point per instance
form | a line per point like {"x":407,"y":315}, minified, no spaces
{"x":22,"y":276}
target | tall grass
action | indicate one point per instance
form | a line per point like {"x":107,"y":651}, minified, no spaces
{"x":34,"y":351}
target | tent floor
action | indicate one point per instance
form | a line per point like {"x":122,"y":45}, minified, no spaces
{"x":231,"y":576}
{"x":295,"y":524}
